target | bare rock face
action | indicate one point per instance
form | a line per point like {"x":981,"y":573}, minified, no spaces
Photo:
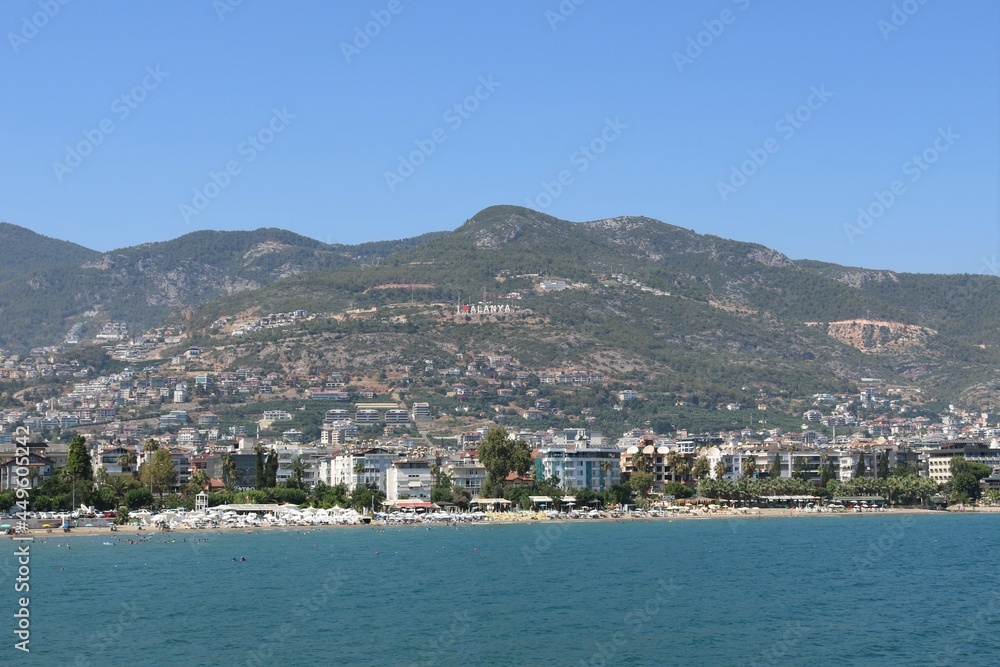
{"x":858,"y":277}
{"x":881,"y":337}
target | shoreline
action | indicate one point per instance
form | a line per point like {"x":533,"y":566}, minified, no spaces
{"x":491,"y":520}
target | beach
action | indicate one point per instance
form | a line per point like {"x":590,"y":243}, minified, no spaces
{"x":492,"y":519}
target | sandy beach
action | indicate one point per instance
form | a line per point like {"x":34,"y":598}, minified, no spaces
{"x":494,"y":519}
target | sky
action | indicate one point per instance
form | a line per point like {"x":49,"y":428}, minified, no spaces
{"x":861,"y":132}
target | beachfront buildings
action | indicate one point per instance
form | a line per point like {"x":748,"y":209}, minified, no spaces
{"x":579,"y":466}
{"x":409,"y":479}
{"x":937,"y":462}
{"x":466,"y":471}
{"x":357,"y":468}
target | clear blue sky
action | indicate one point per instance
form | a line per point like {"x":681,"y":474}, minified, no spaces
{"x":198,"y":80}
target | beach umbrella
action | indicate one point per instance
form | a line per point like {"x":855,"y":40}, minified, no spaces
{"x":46,"y":525}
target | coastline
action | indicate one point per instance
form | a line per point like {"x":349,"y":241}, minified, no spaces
{"x":490,"y":520}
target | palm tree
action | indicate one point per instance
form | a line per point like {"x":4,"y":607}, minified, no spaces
{"x":673,"y":458}
{"x":126,"y":461}
{"x":749,"y":466}
{"x":640,"y":462}
{"x":606,"y":469}
{"x":359,"y":470}
{"x":229,"y":472}
{"x":701,"y":468}
{"x":720,"y":470}
{"x":118,"y":485}
{"x":683,"y":467}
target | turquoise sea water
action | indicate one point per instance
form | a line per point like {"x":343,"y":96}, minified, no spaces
{"x":855,"y":590}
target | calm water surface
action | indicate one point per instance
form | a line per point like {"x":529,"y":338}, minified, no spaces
{"x":865,"y":590}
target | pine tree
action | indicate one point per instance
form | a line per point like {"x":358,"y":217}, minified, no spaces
{"x":883,"y":465}
{"x":271,"y":470}
{"x":861,"y":468}
{"x":78,"y":463}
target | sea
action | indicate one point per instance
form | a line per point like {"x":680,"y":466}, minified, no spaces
{"x":888,"y":589}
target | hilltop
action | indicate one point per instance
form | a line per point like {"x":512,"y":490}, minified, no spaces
{"x":696,"y":317}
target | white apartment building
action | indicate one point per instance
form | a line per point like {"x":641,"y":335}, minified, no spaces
{"x":409,"y":479}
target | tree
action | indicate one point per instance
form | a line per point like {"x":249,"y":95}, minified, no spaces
{"x":618,"y":494}
{"x":883,"y":465}
{"x":461,"y":496}
{"x":259,"y":477}
{"x":366,"y":497}
{"x":441,"y":491}
{"x":799,"y":469}
{"x":199,"y":482}
{"x":298,"y":469}
{"x":774,"y":470}
{"x":127,"y":462}
{"x":826,"y":472}
{"x":606,"y":469}
{"x":682,"y":467}
{"x":677,"y":490}
{"x":271,"y":469}
{"x":78,"y":463}
{"x":861,"y":469}
{"x":139,"y":497}
{"x":720,"y":470}
{"x":673,"y":460}
{"x":501,"y":455}
{"x":229,"y":472}
{"x":159,"y":474}
{"x":118,"y":486}
{"x":701,"y":468}
{"x":749,"y":466}
{"x":641,"y":483}
{"x":640,"y":462}
{"x":7,"y":500}
{"x":151,"y":446}
{"x":965,"y":478}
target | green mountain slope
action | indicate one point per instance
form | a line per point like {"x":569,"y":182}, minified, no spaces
{"x":47,"y":285}
{"x":647,"y":301}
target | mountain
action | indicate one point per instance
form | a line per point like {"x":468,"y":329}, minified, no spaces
{"x":693,"y":315}
{"x":46,"y":286}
